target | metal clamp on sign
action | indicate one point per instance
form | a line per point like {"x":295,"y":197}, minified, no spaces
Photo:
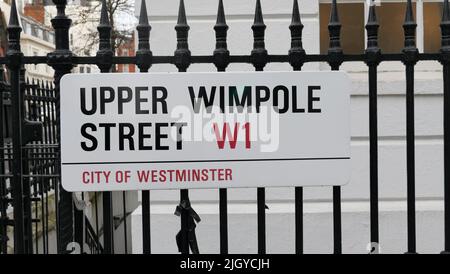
{"x":192,"y":216}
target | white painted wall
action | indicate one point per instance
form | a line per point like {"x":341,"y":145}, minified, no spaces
{"x":318,"y":217}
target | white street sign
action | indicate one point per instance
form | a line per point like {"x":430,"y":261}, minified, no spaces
{"x":204,"y":130}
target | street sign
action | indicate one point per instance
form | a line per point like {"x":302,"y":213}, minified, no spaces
{"x":145,"y":131}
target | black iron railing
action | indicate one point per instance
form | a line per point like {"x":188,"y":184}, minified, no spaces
{"x":42,"y":167}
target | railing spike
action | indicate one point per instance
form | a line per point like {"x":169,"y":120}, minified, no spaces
{"x":14,"y":31}
{"x":296,"y":14}
{"x":221,"y":53}
{"x":221,"y":14}
{"x":182,"y":53}
{"x":334,"y":16}
{"x":334,"y":30}
{"x":259,"y":52}
{"x":143,"y":54}
{"x":372,"y":18}
{"x":372,"y":30}
{"x":13,"y":18}
{"x":182,"y":14}
{"x":105,"y":52}
{"x":296,"y":53}
{"x":143,"y":16}
{"x":259,"y":19}
{"x":409,"y":27}
{"x":409,"y":17}
{"x":104,"y":18}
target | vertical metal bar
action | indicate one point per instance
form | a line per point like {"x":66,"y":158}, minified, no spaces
{"x":146,"y":238}
{"x":79,"y":228}
{"x":42,"y":114}
{"x":410,"y":59}
{"x":125,"y":214}
{"x":15,"y":59}
{"x":61,"y":61}
{"x":296,"y":58}
{"x":259,"y":60}
{"x":373,"y":148}
{"x":410,"y":159}
{"x":182,"y":61}
{"x":104,"y":58}
{"x":144,"y":62}
{"x":373,"y":54}
{"x":445,"y":60}
{"x":184,"y":196}
{"x":3,"y":202}
{"x":446,"y":71}
{"x":26,"y":181}
{"x":221,"y":60}
{"x":335,"y":51}
{"x":96,"y":215}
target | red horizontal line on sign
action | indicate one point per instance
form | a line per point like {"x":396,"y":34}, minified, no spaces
{"x":208,"y":161}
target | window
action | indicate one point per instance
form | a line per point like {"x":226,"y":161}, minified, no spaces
{"x":81,"y":69}
{"x":88,"y":69}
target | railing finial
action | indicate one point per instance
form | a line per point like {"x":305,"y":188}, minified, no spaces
{"x":143,"y":16}
{"x":259,"y":52}
{"x":372,"y":28}
{"x":105,"y":52}
{"x":143,"y":54}
{"x":13,"y":18}
{"x":296,"y":53}
{"x":182,"y":53}
{"x":373,"y":52}
{"x":182,"y":14}
{"x":409,"y":27}
{"x":14,"y":30}
{"x":104,"y":18}
{"x":221,"y":53}
{"x":258,"y":13}
{"x":334,"y":30}
{"x":221,"y":14}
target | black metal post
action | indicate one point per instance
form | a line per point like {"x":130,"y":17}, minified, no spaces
{"x":61,"y":61}
{"x":296,"y":59}
{"x":144,"y":62}
{"x":26,"y":186}
{"x":104,"y":59}
{"x":410,"y":59}
{"x":259,"y":57}
{"x":15,"y":57}
{"x":182,"y":61}
{"x":373,"y":54}
{"x":335,"y":52}
{"x":221,"y":60}
{"x":445,"y":60}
